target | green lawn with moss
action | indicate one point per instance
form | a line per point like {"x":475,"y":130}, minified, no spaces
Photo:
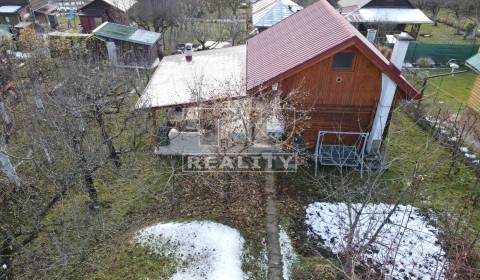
{"x":408,"y":149}
{"x":448,"y":92}
{"x":409,"y":145}
{"x":441,"y":34}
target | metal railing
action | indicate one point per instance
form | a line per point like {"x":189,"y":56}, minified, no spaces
{"x":339,"y":154}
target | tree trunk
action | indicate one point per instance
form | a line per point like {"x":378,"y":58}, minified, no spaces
{"x":349,"y":266}
{"x":435,"y":16}
{"x":113,"y":154}
{"x":86,"y":170}
{"x":477,"y":26}
{"x":5,"y":164}
{"x":458,"y":27}
{"x":92,"y":191}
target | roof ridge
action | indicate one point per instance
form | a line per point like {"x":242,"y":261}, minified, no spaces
{"x":347,"y":25}
{"x":309,"y":35}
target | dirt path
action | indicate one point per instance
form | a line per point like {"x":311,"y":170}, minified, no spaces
{"x":273,"y":243}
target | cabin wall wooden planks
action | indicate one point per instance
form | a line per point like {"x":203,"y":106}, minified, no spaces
{"x":336,"y":100}
{"x":474,"y":100}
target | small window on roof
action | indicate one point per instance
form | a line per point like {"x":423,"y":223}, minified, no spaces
{"x":343,"y":61}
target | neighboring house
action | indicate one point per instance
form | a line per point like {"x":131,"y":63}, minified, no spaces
{"x":129,"y":45}
{"x":385,"y":16}
{"x":472,"y":110}
{"x":13,"y":11}
{"x":266,"y":13}
{"x":21,"y":13}
{"x":97,"y":12}
{"x":314,"y":57}
{"x":45,"y":13}
{"x":175,"y":77}
{"x":348,"y":83}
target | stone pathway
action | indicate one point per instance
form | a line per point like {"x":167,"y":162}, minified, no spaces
{"x":273,"y":243}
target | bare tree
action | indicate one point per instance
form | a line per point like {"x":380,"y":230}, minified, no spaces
{"x":161,"y":15}
{"x":71,"y":119}
{"x":472,"y":9}
{"x":6,"y":93}
{"x":434,"y":6}
{"x":457,"y":8}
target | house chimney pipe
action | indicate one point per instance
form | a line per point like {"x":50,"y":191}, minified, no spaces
{"x":400,"y":49}
{"x":372,"y":35}
{"x":189,"y":52}
{"x":387,"y":96}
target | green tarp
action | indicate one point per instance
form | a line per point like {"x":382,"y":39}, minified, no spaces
{"x":126,"y":33}
{"x":440,"y":53}
{"x":474,"y":63}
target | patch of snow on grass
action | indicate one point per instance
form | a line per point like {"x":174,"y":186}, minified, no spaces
{"x":418,"y":253}
{"x":213,"y":251}
{"x":288,"y":255}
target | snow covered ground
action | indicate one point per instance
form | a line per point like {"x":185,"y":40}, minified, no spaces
{"x":212,"y":251}
{"x":288,"y":255}
{"x":407,"y":246}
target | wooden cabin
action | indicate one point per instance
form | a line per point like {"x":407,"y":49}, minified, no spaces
{"x":471,"y":114}
{"x":18,"y":13}
{"x":316,"y":61}
{"x":128,"y":45}
{"x":335,"y":75}
{"x":384,"y":16}
{"x":13,"y":12}
{"x":45,"y":13}
{"x":97,"y":12}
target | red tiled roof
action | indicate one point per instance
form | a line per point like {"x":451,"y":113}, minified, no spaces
{"x":305,"y":38}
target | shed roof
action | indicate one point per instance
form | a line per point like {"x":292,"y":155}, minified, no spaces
{"x":307,"y":37}
{"x":68,"y":34}
{"x":474,"y":63}
{"x":126,"y":33}
{"x":9,"y":9}
{"x":352,"y":3}
{"x":122,"y":5}
{"x":390,"y":15}
{"x":273,"y":13}
{"x":376,"y":3}
{"x":47,"y":9}
{"x":23,"y":24}
{"x":262,"y":4}
{"x":178,"y":82}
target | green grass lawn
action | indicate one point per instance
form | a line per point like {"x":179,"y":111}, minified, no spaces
{"x":441,"y":34}
{"x":407,"y":145}
{"x":449,"y":92}
{"x":449,"y":16}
